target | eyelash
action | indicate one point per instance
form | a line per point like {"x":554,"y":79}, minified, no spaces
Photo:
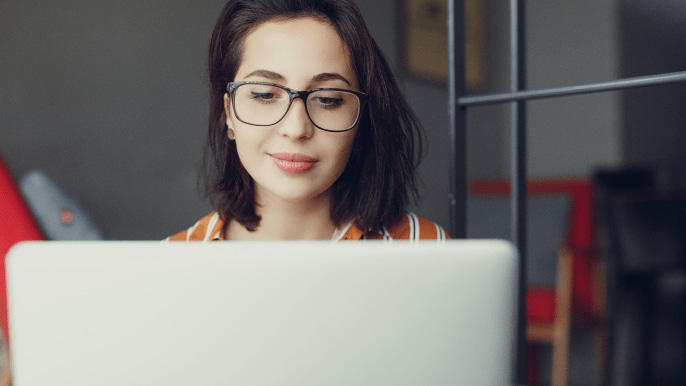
{"x":260,"y":97}
{"x":330,"y":102}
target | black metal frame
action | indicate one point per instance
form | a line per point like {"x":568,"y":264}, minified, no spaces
{"x":518,"y":95}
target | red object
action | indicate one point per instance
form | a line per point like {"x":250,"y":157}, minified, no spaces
{"x":16,"y":224}
{"x":582,"y":239}
{"x":540,"y":301}
{"x":540,"y":305}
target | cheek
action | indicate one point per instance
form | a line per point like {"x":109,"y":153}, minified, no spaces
{"x":242,"y":145}
{"x":344,"y":148}
{"x":249,"y":142}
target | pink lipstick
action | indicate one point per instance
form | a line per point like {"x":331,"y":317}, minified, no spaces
{"x":293,"y":162}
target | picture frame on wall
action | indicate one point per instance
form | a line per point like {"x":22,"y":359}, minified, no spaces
{"x":425,"y":40}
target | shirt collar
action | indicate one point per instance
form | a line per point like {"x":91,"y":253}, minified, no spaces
{"x":350,"y":232}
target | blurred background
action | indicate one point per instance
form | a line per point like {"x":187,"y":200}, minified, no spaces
{"x":109,"y":99}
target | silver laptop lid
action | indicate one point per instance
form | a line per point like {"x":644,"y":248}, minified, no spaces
{"x":275,"y":313}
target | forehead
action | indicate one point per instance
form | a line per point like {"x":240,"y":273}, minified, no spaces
{"x":296,"y":49}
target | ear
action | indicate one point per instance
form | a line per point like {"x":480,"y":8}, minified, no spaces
{"x":227,"y":108}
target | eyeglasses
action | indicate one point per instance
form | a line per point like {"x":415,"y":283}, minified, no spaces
{"x":265,"y":104}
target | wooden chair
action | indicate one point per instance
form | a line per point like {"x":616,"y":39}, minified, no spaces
{"x":576,"y":299}
{"x":556,"y":330}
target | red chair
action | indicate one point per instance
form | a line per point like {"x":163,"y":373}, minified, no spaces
{"x":578,"y":299}
{"x":16,"y":224}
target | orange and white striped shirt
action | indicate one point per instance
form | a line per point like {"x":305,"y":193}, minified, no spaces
{"x":409,"y":227}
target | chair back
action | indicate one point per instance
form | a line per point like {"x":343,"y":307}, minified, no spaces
{"x":16,"y":224}
{"x":547,"y":226}
{"x":587,"y":297}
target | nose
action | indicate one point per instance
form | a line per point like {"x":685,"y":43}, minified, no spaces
{"x":296,"y":124}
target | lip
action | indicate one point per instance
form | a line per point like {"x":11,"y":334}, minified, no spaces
{"x":293,"y":162}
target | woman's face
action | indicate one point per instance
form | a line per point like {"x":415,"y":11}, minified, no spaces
{"x":293,"y":160}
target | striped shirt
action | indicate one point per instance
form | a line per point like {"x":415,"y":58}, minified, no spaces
{"x":410,"y":227}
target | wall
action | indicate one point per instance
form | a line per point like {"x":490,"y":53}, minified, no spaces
{"x":109,"y":98}
{"x":653,"y":42}
{"x":571,"y":43}
{"x":566,"y":136}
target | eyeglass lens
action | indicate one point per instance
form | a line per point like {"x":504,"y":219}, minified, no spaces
{"x":265,"y":105}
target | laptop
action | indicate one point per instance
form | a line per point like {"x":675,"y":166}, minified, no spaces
{"x":270,"y":313}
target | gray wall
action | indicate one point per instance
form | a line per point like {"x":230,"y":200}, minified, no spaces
{"x":653,"y":41}
{"x":568,"y":43}
{"x":109,"y":98}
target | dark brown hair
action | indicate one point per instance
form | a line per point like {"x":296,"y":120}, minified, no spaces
{"x":379,"y":180}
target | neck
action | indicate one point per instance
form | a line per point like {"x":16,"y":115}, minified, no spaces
{"x":281,"y":220}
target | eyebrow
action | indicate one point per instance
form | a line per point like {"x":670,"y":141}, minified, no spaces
{"x":330,"y":76}
{"x":317,"y":78}
{"x":267,"y":74}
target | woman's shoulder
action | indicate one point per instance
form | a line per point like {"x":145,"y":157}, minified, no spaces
{"x":409,"y":227}
{"x":208,"y":228}
{"x":412,"y":227}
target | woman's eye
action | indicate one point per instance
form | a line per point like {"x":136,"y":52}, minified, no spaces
{"x":264,"y":97}
{"x":329,"y":102}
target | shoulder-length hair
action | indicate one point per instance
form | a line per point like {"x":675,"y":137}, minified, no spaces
{"x":379,"y":179}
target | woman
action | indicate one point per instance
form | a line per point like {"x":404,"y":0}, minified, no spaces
{"x":335,"y":160}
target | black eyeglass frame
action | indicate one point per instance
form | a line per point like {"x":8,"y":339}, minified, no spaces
{"x":362,"y":98}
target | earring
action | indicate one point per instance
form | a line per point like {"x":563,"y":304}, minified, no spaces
{"x":230,"y":134}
